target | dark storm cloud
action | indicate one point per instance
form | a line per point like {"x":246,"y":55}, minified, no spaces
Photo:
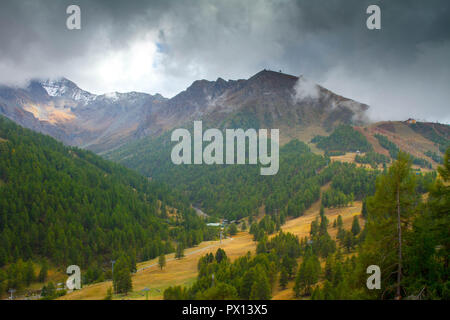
{"x":162,"y":46}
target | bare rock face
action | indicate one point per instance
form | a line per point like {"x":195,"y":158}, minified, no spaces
{"x":268,"y":99}
{"x":103,"y":122}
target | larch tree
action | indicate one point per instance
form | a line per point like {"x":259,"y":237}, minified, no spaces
{"x":389,"y":215}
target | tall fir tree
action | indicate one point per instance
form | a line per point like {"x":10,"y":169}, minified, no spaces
{"x":389,"y":215}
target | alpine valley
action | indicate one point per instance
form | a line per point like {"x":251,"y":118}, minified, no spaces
{"x":87,"y":179}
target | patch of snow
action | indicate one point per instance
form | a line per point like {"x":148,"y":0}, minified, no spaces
{"x":63,"y":88}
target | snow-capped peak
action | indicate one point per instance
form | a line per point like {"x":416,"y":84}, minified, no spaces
{"x":66,"y":89}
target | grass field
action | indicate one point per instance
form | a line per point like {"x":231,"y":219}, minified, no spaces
{"x":176,"y":272}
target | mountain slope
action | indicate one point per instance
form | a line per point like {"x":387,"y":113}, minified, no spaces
{"x":424,"y":140}
{"x":266,"y":100}
{"x":73,"y":207}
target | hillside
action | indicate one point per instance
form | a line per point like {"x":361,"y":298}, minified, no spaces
{"x":184,"y":271}
{"x":378,"y":143}
{"x":69,"y":206}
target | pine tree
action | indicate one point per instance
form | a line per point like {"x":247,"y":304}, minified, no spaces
{"x":122,"y":282}
{"x":162,"y":261}
{"x":328,"y":269}
{"x":284,"y":277}
{"x":232,"y":230}
{"x":43,"y":272}
{"x":356,"y":229}
{"x":308,"y":275}
{"x":340,"y":223}
{"x":247,"y":283}
{"x":327,"y":291}
{"x":261,"y":286}
{"x":314,"y":227}
{"x":317,"y":294}
{"x":221,"y":255}
{"x":364,"y":209}
{"x":180,"y":251}
{"x":323,"y":225}
{"x":349,"y":241}
{"x":427,"y":249}
{"x":29,"y":276}
{"x":49,"y":291}
{"x":109,"y":294}
{"x":389,"y":212}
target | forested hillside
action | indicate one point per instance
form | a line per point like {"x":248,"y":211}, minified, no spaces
{"x":326,"y":268}
{"x":70,"y":206}
{"x":344,"y":138}
{"x":438,"y":133}
{"x":234,"y":191}
{"x":394,"y":150}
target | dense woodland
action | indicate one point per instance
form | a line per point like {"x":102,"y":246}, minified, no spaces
{"x":68,"y":206}
{"x":420,"y":271}
{"x":372,"y":158}
{"x":344,"y":138}
{"x":235,"y":192}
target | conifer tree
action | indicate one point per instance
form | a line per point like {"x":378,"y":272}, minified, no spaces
{"x":221,"y":255}
{"x":389,"y":212}
{"x":261,"y":286}
{"x":179,"y":253}
{"x":122,"y":282}
{"x":162,"y":261}
{"x":284,"y":277}
{"x":356,"y":229}
{"x":43,"y":272}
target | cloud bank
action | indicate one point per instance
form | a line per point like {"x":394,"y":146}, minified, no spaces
{"x":401,"y":71}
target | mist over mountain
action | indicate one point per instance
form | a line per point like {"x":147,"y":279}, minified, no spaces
{"x":268,"y":99}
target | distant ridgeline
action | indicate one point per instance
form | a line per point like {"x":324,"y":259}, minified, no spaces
{"x":73,"y":207}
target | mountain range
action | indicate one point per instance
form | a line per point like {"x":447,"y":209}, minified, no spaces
{"x":104,"y":122}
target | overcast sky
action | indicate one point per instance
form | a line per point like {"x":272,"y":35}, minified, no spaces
{"x":401,"y":71}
